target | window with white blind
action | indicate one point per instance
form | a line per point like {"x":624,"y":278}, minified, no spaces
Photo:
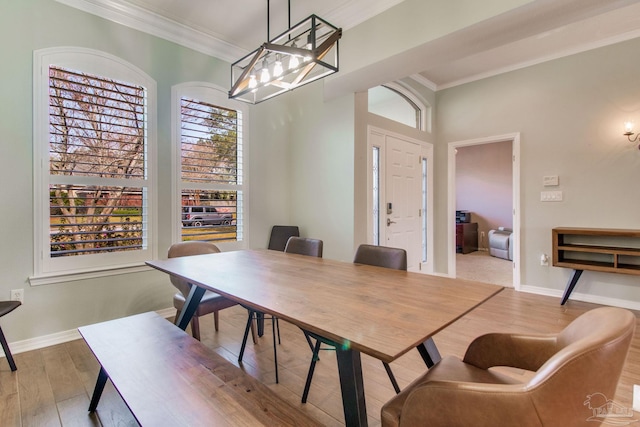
{"x":211,"y":191}
{"x":93,"y":154}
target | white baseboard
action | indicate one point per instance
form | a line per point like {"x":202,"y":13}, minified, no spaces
{"x":61,"y":337}
{"x":577,"y":296}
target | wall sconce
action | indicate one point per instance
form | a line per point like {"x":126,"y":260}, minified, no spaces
{"x":628,"y":132}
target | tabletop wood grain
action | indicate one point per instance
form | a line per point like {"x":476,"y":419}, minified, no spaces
{"x":380,"y":312}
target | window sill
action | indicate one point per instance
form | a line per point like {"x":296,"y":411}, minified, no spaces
{"x":60,"y":277}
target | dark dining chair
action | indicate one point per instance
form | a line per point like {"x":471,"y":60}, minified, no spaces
{"x":7,"y":307}
{"x":280,"y":236}
{"x":211,"y":302}
{"x":379,"y":256}
{"x":294,"y":245}
{"x":304,"y":246}
{"x":277,"y":242}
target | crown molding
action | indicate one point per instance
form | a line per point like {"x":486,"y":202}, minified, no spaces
{"x":123,"y":13}
{"x":419,"y":78}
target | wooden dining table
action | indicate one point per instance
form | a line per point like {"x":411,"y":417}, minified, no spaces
{"x":358,"y":308}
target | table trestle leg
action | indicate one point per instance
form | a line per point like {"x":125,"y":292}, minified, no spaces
{"x":190,"y":306}
{"x":429,"y":352}
{"x":97,"y":391}
{"x":352,"y":387}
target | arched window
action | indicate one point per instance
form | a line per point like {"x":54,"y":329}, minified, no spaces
{"x":399,"y":104}
{"x":94,"y":165}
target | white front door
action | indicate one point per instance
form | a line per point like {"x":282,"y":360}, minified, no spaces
{"x":402,"y":204}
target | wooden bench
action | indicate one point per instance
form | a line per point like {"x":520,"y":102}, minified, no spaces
{"x":168,"y":378}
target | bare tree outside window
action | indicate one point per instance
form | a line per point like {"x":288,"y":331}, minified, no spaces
{"x":97,"y":163}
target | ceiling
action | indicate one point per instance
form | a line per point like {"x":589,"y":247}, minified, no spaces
{"x":539,"y":31}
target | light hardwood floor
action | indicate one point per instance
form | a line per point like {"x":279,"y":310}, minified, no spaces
{"x":53,"y":385}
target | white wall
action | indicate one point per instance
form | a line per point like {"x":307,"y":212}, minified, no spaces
{"x":570,"y":114}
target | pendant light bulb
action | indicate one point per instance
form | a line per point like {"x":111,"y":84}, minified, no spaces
{"x":252,"y":81}
{"x":264,"y":74}
{"x":277,"y":67}
{"x":308,"y":46}
{"x":294,"y":62}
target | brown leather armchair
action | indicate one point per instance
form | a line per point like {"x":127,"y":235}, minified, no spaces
{"x":583,"y":360}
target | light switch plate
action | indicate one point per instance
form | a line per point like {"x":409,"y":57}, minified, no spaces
{"x":551,"y":196}
{"x":550,"y":180}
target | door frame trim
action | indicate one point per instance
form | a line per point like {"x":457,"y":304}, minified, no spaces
{"x":451,"y":229}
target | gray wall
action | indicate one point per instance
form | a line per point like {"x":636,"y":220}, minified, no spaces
{"x":49,"y":309}
{"x":321,"y":188}
{"x":570,"y":114}
{"x":306,"y":159}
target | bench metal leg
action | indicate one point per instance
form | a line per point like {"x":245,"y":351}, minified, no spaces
{"x":97,"y":392}
{"x":570,"y":285}
{"x":7,"y":351}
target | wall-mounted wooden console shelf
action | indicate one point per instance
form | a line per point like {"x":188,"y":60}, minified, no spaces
{"x":609,"y":250}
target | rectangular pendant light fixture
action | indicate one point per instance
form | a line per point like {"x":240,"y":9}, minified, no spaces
{"x":304,"y":53}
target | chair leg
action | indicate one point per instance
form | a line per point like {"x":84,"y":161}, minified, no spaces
{"x":312,"y":367}
{"x":175,"y":319}
{"x":306,"y":335}
{"x":391,"y":377}
{"x":251,"y":327}
{"x":275,"y":319}
{"x":215,"y":319}
{"x":254,"y":332}
{"x":7,"y":352}
{"x":195,"y":327}
{"x":246,"y":335}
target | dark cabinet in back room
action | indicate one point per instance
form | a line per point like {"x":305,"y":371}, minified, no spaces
{"x":466,"y":237}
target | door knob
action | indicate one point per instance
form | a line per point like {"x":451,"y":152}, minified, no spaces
{"x":389,"y":222}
